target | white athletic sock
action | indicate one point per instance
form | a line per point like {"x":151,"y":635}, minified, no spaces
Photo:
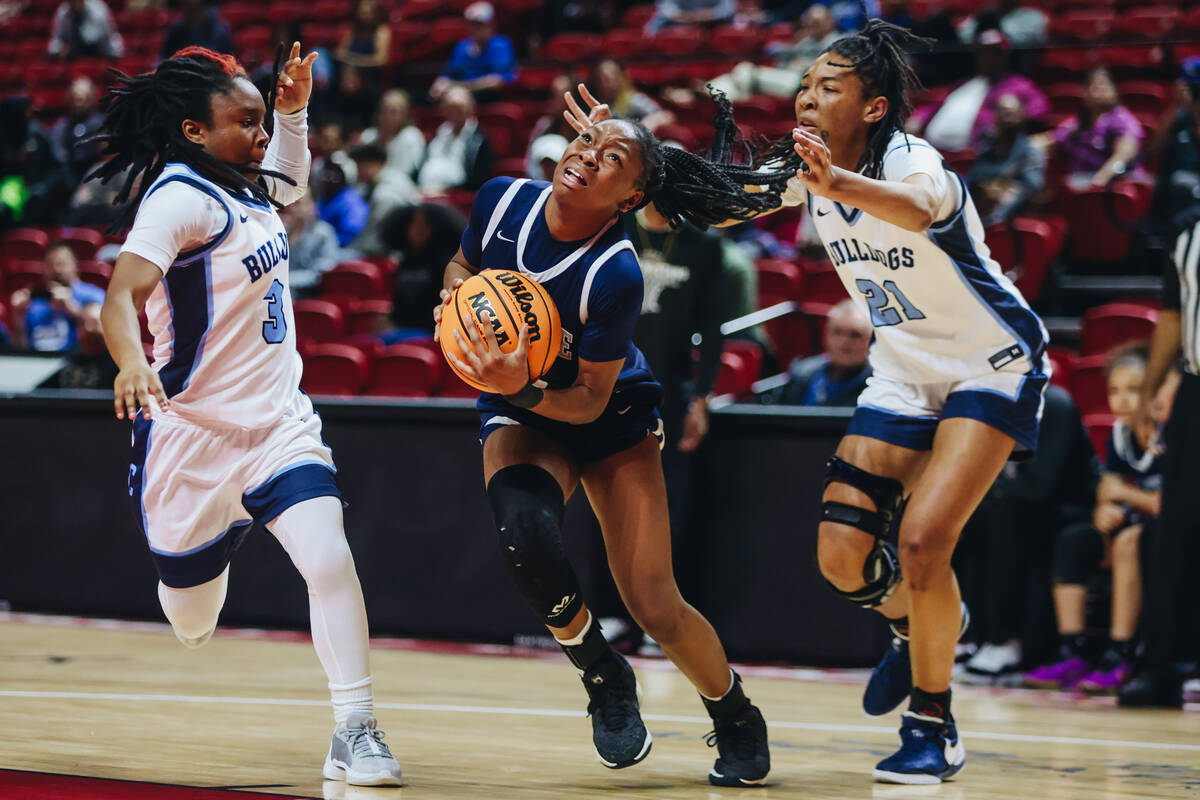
{"x":577,"y":640}
{"x":724,"y":693}
{"x":311,"y":533}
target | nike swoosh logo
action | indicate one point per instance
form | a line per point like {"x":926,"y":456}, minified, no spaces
{"x":504,"y":238}
{"x":625,"y":410}
{"x":955,"y":753}
{"x":822,"y":212}
{"x":243,"y":217}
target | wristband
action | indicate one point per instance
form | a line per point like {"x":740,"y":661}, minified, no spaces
{"x":528,"y":397}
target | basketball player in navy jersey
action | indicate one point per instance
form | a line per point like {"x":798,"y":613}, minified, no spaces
{"x":593,"y":419}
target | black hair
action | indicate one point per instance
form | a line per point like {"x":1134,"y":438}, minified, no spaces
{"x":876,"y":55}
{"x":706,"y":190}
{"x":142,"y":127}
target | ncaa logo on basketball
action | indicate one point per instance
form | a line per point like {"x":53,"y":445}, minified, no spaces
{"x":524,"y":297}
{"x":480,"y":305}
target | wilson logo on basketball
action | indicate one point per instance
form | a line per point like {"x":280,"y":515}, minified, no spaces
{"x":480,"y":304}
{"x":524,"y":297}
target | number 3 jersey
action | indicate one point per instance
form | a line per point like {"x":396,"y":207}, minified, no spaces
{"x":942,"y":309}
{"x":224,"y":333}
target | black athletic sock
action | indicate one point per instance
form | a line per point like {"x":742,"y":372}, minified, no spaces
{"x":733,"y":703}
{"x":1119,"y":652}
{"x":930,"y":704}
{"x":1072,"y":645}
{"x":592,"y":650}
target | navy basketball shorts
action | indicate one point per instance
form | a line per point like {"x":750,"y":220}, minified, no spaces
{"x":907,"y":414}
{"x":196,"y":490}
{"x":622,"y":425}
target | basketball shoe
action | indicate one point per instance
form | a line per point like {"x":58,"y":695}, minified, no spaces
{"x":891,"y":680}
{"x":930,"y":752}
{"x":358,"y":755}
{"x":620,"y":736}
{"x":740,"y":736}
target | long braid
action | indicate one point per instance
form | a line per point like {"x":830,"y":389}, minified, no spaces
{"x":142,"y":128}
{"x":877,"y":55}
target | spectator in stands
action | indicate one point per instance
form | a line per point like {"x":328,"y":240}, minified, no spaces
{"x":199,"y":25}
{"x":383,"y":188}
{"x":544,"y":154}
{"x":552,"y":120}
{"x":671,"y":13}
{"x":1004,"y":560}
{"x":92,"y":204}
{"x":1101,"y":140}
{"x":970,"y":108}
{"x":367,"y":42}
{"x":338,"y":202}
{"x":82,"y":120}
{"x":312,"y":246}
{"x":483,"y":62}
{"x":1128,"y":498}
{"x":837,"y":376}
{"x":89,"y":366}
{"x":422,"y":238}
{"x":84,"y":29}
{"x":611,"y":85}
{"x":1008,"y":171}
{"x":47,"y":319}
{"x":34,"y":183}
{"x":1177,"y":141}
{"x":459,"y":155}
{"x":1024,"y":25}
{"x":355,"y":99}
{"x":395,"y":132}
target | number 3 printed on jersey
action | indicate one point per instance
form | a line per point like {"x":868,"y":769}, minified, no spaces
{"x":877,"y":298}
{"x":274,"y":328}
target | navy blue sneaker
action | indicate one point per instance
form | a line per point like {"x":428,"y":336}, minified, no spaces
{"x":620,"y":736}
{"x":930,"y":752}
{"x":891,"y":681}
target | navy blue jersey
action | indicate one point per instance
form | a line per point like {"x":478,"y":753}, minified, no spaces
{"x":596,"y":283}
{"x":1127,"y":459}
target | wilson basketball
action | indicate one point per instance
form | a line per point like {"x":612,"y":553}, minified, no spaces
{"x":512,"y":300}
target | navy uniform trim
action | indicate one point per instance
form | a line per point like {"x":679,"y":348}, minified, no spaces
{"x":203,"y":563}
{"x":915,"y":433}
{"x":290,"y":486}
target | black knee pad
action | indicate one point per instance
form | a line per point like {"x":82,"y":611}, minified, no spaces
{"x":527,"y":505}
{"x":1077,"y":552}
{"x":881,"y":571}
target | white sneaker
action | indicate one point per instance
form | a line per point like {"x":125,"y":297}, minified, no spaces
{"x":994,"y":660}
{"x":358,"y":756}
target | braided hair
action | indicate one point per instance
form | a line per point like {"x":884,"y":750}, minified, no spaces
{"x":707,"y":189}
{"x":142,"y":127}
{"x":876,"y":54}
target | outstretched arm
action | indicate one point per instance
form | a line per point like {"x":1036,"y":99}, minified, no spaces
{"x":288,"y":149}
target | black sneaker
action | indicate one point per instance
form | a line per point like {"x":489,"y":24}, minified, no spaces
{"x":618,"y":732}
{"x":741,"y":742}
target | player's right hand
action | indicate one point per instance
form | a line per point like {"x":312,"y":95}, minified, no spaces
{"x":597,"y":111}
{"x":445,"y":294}
{"x":134,"y":387}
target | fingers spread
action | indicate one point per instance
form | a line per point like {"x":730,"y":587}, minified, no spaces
{"x":587,"y":96}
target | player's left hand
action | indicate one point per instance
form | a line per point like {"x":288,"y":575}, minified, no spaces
{"x":295,"y":82}
{"x":819,"y":176}
{"x":597,"y":111}
{"x":695,"y":426}
{"x":506,"y":373}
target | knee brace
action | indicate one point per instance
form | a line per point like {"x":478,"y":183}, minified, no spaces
{"x":1078,"y":550}
{"x":881,"y":572}
{"x":527,"y":505}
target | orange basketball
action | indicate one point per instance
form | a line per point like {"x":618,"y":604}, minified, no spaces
{"x":512,"y":300}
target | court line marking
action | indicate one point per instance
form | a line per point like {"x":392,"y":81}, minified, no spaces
{"x":555,"y":712}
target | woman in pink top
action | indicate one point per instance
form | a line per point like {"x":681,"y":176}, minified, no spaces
{"x":1100,"y":141}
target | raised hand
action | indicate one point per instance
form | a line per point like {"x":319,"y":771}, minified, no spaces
{"x":295,"y":82}
{"x":819,"y":176}
{"x":483,"y":360}
{"x":597,"y":111}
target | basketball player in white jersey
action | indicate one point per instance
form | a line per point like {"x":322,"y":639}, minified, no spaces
{"x":222,"y":435}
{"x":957,"y":384}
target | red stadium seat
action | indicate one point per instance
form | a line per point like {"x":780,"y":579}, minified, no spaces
{"x":1062,"y":362}
{"x":960,"y":160}
{"x":370,"y":317}
{"x":680,"y":41}
{"x":1132,"y":60}
{"x":504,"y":124}
{"x":404,"y":371}
{"x":624,"y":42}
{"x":1093,"y":236}
{"x":637,"y":16}
{"x":822,"y":284}
{"x":1104,"y":327}
{"x":1039,"y":244}
{"x":513,"y":167}
{"x":23,"y":275}
{"x":1190,"y":22}
{"x":733,"y":375}
{"x":681,"y":134}
{"x":84,"y":242}
{"x":97,"y":273}
{"x":1147,"y":23}
{"x":570,"y":48}
{"x":782,"y":278}
{"x":1089,"y":384}
{"x":318,"y":320}
{"x":24,"y":244}
{"x":148,"y":20}
{"x":356,"y":278}
{"x":1099,"y":427}
{"x":334,"y":369}
{"x":1144,"y":96}
{"x":734,"y":40}
{"x":1065,"y":98}
{"x":751,"y":352}
{"x":1089,"y":25}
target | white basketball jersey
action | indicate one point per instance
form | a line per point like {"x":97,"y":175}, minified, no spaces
{"x":224,"y":332}
{"x":942,"y":309}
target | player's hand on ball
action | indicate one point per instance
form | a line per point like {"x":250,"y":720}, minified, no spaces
{"x":295,"y":82}
{"x":133,"y":388}
{"x":484,"y":361}
{"x":597,"y":111}
{"x":445,"y":294}
{"x":819,"y":176}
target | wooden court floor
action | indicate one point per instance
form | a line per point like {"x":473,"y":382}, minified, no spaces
{"x":249,"y":712}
